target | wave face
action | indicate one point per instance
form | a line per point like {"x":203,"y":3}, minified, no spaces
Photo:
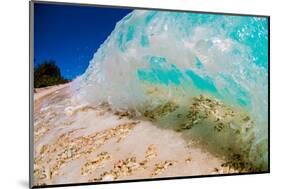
{"x":157,"y":56}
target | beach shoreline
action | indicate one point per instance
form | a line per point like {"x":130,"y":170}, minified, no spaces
{"x":82,"y":143}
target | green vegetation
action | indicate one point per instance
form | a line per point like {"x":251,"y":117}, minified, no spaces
{"x":48,"y":74}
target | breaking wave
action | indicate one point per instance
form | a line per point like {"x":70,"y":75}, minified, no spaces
{"x":157,"y":62}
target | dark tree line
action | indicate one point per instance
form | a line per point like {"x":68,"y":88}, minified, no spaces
{"x":47,"y":74}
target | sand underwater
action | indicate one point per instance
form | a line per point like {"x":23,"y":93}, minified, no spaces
{"x":166,"y":95}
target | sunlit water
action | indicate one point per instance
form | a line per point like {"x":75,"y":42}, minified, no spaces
{"x":154,"y":57}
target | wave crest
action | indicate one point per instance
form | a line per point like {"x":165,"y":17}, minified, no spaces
{"x":155,"y":57}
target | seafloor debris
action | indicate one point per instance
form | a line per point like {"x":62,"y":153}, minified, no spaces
{"x":228,"y":122}
{"x":127,"y":166}
{"x":122,"y":114}
{"x":161,"y":167}
{"x":52,"y":157}
{"x":106,"y":176}
{"x":40,"y":131}
{"x":74,"y":110}
{"x":206,"y":108}
{"x":124,"y":131}
{"x":235,"y":164}
{"x":224,"y":170}
{"x":91,"y":165}
{"x":160,"y":110}
{"x":202,"y":108}
{"x":120,"y":168}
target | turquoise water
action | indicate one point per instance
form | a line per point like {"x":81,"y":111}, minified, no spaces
{"x":222,"y":56}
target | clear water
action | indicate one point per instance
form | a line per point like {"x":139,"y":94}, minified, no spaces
{"x":184,"y":55}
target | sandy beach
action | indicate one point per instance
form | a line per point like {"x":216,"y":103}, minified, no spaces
{"x":82,"y":143}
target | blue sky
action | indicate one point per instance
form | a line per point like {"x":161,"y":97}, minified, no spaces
{"x":70,"y":35}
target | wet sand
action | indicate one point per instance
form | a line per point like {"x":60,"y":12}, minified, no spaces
{"x":76,"y":143}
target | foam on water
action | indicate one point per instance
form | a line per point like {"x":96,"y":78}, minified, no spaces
{"x":183,"y":55}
